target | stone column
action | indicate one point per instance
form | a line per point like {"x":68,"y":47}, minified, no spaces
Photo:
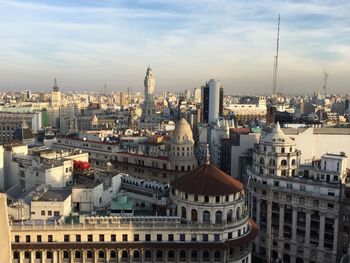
{"x":43,"y":256}
{"x":95,"y":255}
{"x":258,"y":211}
{"x":307,"y":227}
{"x":268,"y":230}
{"x":131,"y":256}
{"x":60,"y":256}
{"x":281,"y":232}
{"x":142,"y":255}
{"x":71,"y":256}
{"x":54,"y":256}
{"x":107,"y":256}
{"x":32,"y":256}
{"x":165,"y":255}
{"x":294,"y":224}
{"x":322,"y":225}
{"x":83,"y":256}
{"x":335,"y":237}
{"x":21,"y":256}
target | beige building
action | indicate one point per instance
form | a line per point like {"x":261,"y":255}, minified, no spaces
{"x":208,"y":222}
{"x":296,"y":206}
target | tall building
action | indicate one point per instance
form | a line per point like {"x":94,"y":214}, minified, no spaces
{"x":297,"y":206}
{"x":212,"y":101}
{"x":197,"y":95}
{"x":149,"y":117}
{"x":55,"y":95}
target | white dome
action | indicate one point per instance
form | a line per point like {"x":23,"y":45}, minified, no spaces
{"x":182,"y":132}
{"x":277,"y":137}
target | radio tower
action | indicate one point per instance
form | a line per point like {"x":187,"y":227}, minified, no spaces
{"x":325,"y":77}
{"x":274,"y":87}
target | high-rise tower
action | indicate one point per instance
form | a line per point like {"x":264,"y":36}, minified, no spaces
{"x":55,"y":95}
{"x":149,"y":117}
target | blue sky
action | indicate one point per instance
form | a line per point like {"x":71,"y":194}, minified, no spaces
{"x":87,"y":42}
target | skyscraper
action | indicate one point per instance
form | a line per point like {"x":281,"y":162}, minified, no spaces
{"x":212,"y":101}
{"x":55,"y":95}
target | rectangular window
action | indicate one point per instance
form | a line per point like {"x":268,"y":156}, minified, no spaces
{"x":193,"y":237}
{"x":102,"y":238}
{"x":205,"y":237}
{"x":56,"y":213}
{"x":229,"y":236}
{"x":27,"y":238}
{"x":16,"y":238}
{"x":66,"y":238}
{"x":182,"y":237}
{"x":171,"y":237}
{"x":49,"y":238}
{"x":42,"y":212}
{"x":78,"y":238}
{"x":49,"y":213}
{"x":125,"y":237}
{"x":136,"y":237}
{"x":330,"y":206}
{"x":159,"y":237}
{"x":113,"y":238}
{"x":90,"y":239}
{"x":148,"y":237}
{"x":38,"y":238}
{"x":216,"y":237}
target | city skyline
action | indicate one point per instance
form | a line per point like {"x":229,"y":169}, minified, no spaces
{"x":87,"y":43}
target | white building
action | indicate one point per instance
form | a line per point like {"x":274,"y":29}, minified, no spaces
{"x":149,"y":118}
{"x":52,"y":204}
{"x":297,"y":206}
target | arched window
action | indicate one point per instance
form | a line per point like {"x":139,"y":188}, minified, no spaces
{"x":262,"y":161}
{"x":159,"y":255}
{"x":136,"y":254}
{"x":148,"y":254}
{"x":16,"y":255}
{"x":229,"y":215}
{"x":194,"y":255}
{"x":101,"y":254}
{"x":182,"y":255}
{"x":218,"y":217}
{"x":283,"y":150}
{"x":284,"y":162}
{"x":183,"y":212}
{"x":113,"y":254}
{"x":293,"y":162}
{"x":125,"y":254}
{"x":238,"y":213}
{"x":206,"y":217}
{"x":37,"y":254}
{"x":206,"y":255}
{"x":48,"y":254}
{"x":194,"y":216}
{"x":171,"y":254}
{"x":65,"y":254}
{"x":217,"y":255}
{"x":89,"y":254}
{"x":77,"y":254}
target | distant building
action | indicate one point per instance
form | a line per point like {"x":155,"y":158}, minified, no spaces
{"x":212,"y":101}
{"x":149,"y":118}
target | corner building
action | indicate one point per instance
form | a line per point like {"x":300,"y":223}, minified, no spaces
{"x":208,"y":222}
{"x":296,"y":206}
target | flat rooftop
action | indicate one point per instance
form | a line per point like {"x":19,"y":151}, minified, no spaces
{"x":54,"y":195}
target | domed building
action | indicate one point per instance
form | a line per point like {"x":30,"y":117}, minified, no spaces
{"x":213,"y":204}
{"x":182,"y":147}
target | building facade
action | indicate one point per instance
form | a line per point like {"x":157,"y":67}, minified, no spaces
{"x":296,"y":206}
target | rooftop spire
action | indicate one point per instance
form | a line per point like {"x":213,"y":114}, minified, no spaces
{"x":55,"y":87}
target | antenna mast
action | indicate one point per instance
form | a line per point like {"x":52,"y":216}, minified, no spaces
{"x":274,"y":88}
{"x":325,"y":77}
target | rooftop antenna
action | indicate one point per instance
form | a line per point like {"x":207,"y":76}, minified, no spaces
{"x":325,"y":77}
{"x":274,"y":88}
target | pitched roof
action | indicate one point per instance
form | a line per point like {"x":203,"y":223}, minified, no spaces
{"x":207,"y":180}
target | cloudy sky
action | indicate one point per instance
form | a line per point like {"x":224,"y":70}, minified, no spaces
{"x":84,"y":43}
